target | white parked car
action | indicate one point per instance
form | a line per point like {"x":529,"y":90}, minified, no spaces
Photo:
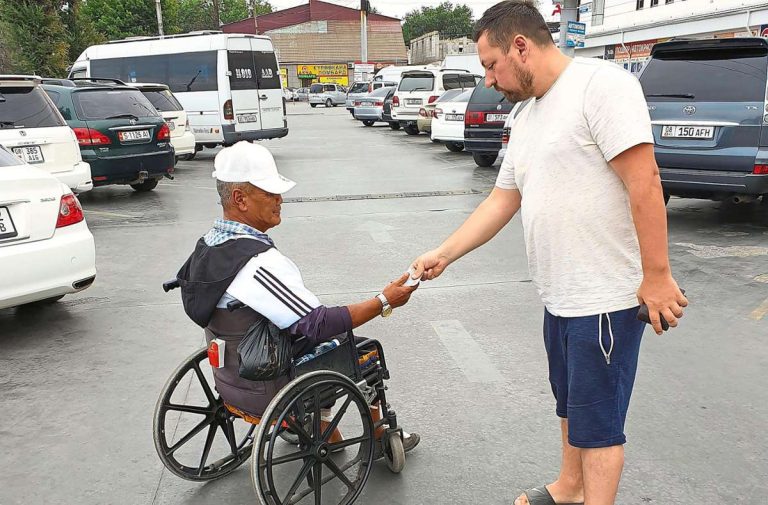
{"x":32,"y":128}
{"x":182,"y":138}
{"x":46,"y":249}
{"x":329,"y":95}
{"x":448,"y":121}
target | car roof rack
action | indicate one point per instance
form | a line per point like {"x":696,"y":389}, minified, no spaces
{"x":21,"y":78}
{"x":67,"y":83}
{"x":98,"y":79}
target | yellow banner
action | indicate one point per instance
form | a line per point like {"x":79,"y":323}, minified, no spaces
{"x":284,"y":77}
{"x":341,"y":81}
{"x":315,"y":71}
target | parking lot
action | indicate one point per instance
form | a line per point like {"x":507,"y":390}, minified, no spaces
{"x":79,"y":379}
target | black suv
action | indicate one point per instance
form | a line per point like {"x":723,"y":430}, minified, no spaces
{"x":121,"y":134}
{"x":484,"y":123}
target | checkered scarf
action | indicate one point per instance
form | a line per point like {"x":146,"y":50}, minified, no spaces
{"x":224,"y":230}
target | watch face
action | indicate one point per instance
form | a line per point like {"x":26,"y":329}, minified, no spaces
{"x":386,"y":312}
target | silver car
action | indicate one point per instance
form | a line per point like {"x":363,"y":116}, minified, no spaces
{"x":362,"y":89}
{"x":369,"y":108}
{"x":329,"y":95}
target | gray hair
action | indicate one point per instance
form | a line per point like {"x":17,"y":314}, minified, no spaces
{"x":225,"y":190}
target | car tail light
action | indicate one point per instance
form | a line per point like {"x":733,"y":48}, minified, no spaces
{"x":395,"y":101}
{"x":433,"y":98}
{"x":760,"y":170}
{"x":186,"y":126}
{"x":378,"y":103}
{"x":423,"y":112}
{"x":88,"y":137}
{"x":70,"y":211}
{"x":357,"y":103}
{"x":436,"y":113}
{"x":164,"y":133}
{"x":229,"y":113}
{"x":474,"y":118}
{"x":505,"y":136}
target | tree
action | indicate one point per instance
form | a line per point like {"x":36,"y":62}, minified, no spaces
{"x":198,"y":14}
{"x":451,"y":21}
{"x":81,"y":33}
{"x":34,"y":36}
{"x":117,"y":19}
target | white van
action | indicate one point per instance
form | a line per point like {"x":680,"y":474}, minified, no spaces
{"x":229,"y":84}
{"x":418,"y":88}
{"x":393,"y":73}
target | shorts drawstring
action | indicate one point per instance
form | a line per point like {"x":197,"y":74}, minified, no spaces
{"x":600,"y":337}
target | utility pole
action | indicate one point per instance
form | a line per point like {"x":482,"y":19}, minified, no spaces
{"x":365,"y":6}
{"x":216,"y":14}
{"x":159,"y":9}
{"x":570,"y":12}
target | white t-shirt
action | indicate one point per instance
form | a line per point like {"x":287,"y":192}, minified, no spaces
{"x":271,"y":284}
{"x":582,"y":245}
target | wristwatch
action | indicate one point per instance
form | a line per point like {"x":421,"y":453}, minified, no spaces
{"x":386,"y":308}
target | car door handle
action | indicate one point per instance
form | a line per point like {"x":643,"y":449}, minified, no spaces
{"x":263,"y":97}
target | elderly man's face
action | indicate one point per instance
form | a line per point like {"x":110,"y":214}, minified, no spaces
{"x":259,"y":208}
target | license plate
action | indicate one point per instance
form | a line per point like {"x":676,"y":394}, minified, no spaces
{"x":247,"y":118}
{"x":131,"y":136}
{"x":413,"y":101}
{"x":29,"y":154}
{"x":454,"y":117}
{"x":366,"y":104}
{"x":7,"y":228}
{"x":496,"y":118}
{"x":688,"y":132}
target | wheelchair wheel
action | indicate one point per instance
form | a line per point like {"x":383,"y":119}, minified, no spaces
{"x":318,"y":469}
{"x":394,"y":453}
{"x":196,"y":437}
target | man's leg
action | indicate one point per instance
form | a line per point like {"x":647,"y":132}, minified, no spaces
{"x":602,"y":472}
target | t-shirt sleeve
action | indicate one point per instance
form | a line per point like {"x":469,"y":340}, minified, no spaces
{"x":616,"y":111}
{"x":506,"y":177}
{"x":271,"y":284}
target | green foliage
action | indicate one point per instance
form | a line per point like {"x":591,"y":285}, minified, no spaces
{"x":198,"y":14}
{"x":117,"y":19}
{"x":450,"y":20}
{"x":34,"y":37}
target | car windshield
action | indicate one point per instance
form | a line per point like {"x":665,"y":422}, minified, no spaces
{"x":420,"y":82}
{"x":316,"y":88}
{"x":359,"y":87}
{"x":163,"y":100}
{"x":7,"y":159}
{"x":707,"y":76}
{"x":27,"y":107}
{"x":458,"y":81}
{"x":112,"y":104}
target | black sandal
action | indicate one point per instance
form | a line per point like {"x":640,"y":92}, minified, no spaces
{"x":541,"y":496}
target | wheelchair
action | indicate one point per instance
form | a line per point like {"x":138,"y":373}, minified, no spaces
{"x":199,"y":437}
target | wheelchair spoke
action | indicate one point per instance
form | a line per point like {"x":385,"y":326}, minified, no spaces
{"x":318,"y":478}
{"x":186,"y":438}
{"x":316,"y":418}
{"x":204,"y":384}
{"x":190,"y":409}
{"x":228,"y":428}
{"x":336,"y":419}
{"x":288,"y":458}
{"x":339,"y":473}
{"x":207,"y":450}
{"x":248,"y":437}
{"x":304,"y":472}
{"x":347,"y":443}
{"x":299,"y":430}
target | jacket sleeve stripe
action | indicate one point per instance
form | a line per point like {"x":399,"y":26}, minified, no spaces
{"x":285,"y":290}
{"x":269,"y":287}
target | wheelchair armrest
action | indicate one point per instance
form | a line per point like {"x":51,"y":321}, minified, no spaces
{"x":169,"y":285}
{"x":235,"y":305}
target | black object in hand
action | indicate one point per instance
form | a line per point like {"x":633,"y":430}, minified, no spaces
{"x":644,"y":316}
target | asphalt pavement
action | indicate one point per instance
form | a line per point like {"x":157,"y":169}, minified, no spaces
{"x":79,"y":379}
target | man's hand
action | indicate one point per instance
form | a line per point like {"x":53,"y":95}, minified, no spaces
{"x":663,"y":298}
{"x":398,"y":295}
{"x":429,"y":265}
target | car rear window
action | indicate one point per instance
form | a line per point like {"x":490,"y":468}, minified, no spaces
{"x":458,"y":81}
{"x":8,"y":160}
{"x":316,"y":88}
{"x":486,"y":95}
{"x":359,"y":87}
{"x":737,"y":75}
{"x":380,"y":92}
{"x":422,"y":82}
{"x":27,"y":107}
{"x":163,"y":100}
{"x":111,"y":104}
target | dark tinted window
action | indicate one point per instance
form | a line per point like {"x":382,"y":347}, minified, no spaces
{"x":423,"y":82}
{"x":449,"y":95}
{"x":8,"y":160}
{"x":107,"y":104}
{"x":486,"y":95}
{"x":359,"y":87}
{"x":329,"y":88}
{"x":709,"y":76}
{"x":181,"y":72}
{"x":266,"y":70}
{"x":242,"y":70}
{"x":458,"y":81}
{"x":316,"y":88}
{"x":27,"y":107}
{"x":163,"y":100}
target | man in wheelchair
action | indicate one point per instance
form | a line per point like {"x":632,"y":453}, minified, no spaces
{"x":237,"y":261}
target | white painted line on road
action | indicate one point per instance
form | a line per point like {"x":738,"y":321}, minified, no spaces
{"x":475,"y":364}
{"x":110,"y":214}
{"x":760,"y":311}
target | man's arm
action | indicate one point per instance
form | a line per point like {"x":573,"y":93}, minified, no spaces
{"x":638,"y":170}
{"x":484,"y":223}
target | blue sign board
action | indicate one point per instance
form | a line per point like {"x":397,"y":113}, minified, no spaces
{"x":576,"y":34}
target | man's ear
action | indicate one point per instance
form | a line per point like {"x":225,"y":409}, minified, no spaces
{"x":520,"y":47}
{"x":238,"y":197}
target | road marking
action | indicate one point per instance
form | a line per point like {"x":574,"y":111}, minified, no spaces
{"x":760,"y":312}
{"x":762,"y":278}
{"x":110,"y":214}
{"x":467,"y":354}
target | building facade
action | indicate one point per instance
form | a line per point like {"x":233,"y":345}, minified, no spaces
{"x":320,"y":42}
{"x":430,"y":48}
{"x":625,"y":31}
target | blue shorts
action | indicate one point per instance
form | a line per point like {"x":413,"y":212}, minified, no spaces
{"x":592,"y":373}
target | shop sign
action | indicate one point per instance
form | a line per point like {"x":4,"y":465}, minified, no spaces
{"x":341,"y":81}
{"x":315,"y":71}
{"x":637,"y":50}
{"x":610,"y":52}
{"x":575,"y":35}
{"x":585,"y":8}
{"x":284,"y":77}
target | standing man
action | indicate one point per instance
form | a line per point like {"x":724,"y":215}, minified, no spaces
{"x":580,"y":166}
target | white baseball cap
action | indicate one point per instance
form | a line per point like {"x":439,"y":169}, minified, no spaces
{"x":246,"y":162}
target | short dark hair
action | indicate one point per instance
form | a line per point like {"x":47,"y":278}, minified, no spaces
{"x":509,"y":18}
